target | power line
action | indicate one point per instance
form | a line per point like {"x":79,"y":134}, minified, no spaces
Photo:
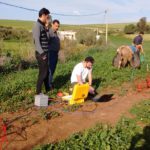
{"x":58,"y":14}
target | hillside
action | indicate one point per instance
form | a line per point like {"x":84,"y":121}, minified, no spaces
{"x":29,"y":24}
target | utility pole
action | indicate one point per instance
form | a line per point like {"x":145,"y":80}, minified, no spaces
{"x":106,"y":32}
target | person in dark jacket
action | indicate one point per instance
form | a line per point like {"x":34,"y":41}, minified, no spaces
{"x":41,"y":50}
{"x":138,"y":41}
{"x":54,"y":47}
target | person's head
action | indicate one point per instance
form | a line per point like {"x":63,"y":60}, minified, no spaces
{"x":55,"y":24}
{"x":141,"y":33}
{"x":44,"y":15}
{"x":89,"y":62}
{"x":48,"y":23}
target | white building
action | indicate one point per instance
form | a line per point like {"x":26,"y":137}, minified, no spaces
{"x":70,"y":35}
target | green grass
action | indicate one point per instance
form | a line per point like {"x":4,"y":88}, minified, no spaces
{"x":17,"y":90}
{"x":28,"y":25}
{"x":25,"y":50}
{"x":142,"y":111}
{"x":101,"y":137}
{"x":14,"y":87}
{"x":126,"y":135}
{"x":131,"y":36}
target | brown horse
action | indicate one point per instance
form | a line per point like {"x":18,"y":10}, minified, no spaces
{"x":125,"y":56}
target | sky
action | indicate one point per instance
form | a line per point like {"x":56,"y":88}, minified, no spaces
{"x":118,"y":11}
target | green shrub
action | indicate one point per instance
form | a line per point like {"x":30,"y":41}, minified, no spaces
{"x":130,"y":29}
{"x":86,"y":37}
{"x":17,"y":89}
{"x":101,"y":137}
{"x":142,"y":111}
{"x":126,"y":135}
{"x":9,"y":33}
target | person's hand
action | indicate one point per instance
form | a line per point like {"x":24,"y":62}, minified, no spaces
{"x":44,"y":57}
{"x":92,"y":90}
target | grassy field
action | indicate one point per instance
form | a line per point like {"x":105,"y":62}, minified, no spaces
{"x":15,"y":86}
{"x":126,"y":135}
{"x":29,"y":24}
{"x":24,"y":50}
{"x":146,"y":36}
{"x":17,"y":24}
{"x":17,"y":90}
{"x":103,"y":77}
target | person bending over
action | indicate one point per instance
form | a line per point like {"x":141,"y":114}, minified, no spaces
{"x":82,"y":71}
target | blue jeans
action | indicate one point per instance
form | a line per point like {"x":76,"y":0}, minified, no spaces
{"x":52,"y":63}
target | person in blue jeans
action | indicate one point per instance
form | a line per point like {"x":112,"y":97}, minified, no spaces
{"x":53,"y":50}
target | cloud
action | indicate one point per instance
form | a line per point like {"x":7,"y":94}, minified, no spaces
{"x":76,"y":12}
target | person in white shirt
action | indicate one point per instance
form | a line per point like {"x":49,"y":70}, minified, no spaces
{"x":82,"y":71}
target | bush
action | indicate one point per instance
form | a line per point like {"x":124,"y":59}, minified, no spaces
{"x":8,"y":33}
{"x":102,"y":137}
{"x":130,"y":29}
{"x":15,"y":63}
{"x":140,"y":26}
{"x":69,"y":48}
{"x":86,"y":37}
{"x":1,"y":46}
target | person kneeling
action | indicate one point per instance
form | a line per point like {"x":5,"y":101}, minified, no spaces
{"x":82,"y":71}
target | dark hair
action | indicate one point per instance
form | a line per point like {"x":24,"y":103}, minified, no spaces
{"x":89,"y":59}
{"x":141,"y":32}
{"x":44,"y":11}
{"x":56,"y":21}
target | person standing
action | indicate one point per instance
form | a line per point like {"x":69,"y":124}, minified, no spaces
{"x":54,"y":47}
{"x":41,"y":50}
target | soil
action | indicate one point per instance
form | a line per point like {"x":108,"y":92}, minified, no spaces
{"x":26,"y":129}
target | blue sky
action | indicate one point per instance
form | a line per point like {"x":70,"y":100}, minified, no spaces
{"x":119,"y":11}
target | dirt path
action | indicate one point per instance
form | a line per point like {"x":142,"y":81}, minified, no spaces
{"x":109,"y":110}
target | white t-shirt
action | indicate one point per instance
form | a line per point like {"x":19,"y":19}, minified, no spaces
{"x":80,"y":70}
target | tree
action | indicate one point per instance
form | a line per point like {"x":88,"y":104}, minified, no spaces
{"x":142,"y":25}
{"x":86,"y":37}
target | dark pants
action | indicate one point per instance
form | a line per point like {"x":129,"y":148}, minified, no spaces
{"x":52,"y":62}
{"x":43,"y":74}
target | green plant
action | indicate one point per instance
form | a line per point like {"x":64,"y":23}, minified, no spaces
{"x":130,"y":29}
{"x":142,"y":111}
{"x":71,"y":108}
{"x":87,"y":37}
{"x":102,"y":137}
{"x":46,"y":115}
{"x":17,"y":89}
{"x":125,"y":135}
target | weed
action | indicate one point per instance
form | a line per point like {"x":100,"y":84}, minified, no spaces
{"x":126,"y":135}
{"x":142,"y":111}
{"x":71,"y":108}
{"x":46,"y":115}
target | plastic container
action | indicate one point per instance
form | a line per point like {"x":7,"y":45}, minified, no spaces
{"x":41,"y":100}
{"x":80,"y":92}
